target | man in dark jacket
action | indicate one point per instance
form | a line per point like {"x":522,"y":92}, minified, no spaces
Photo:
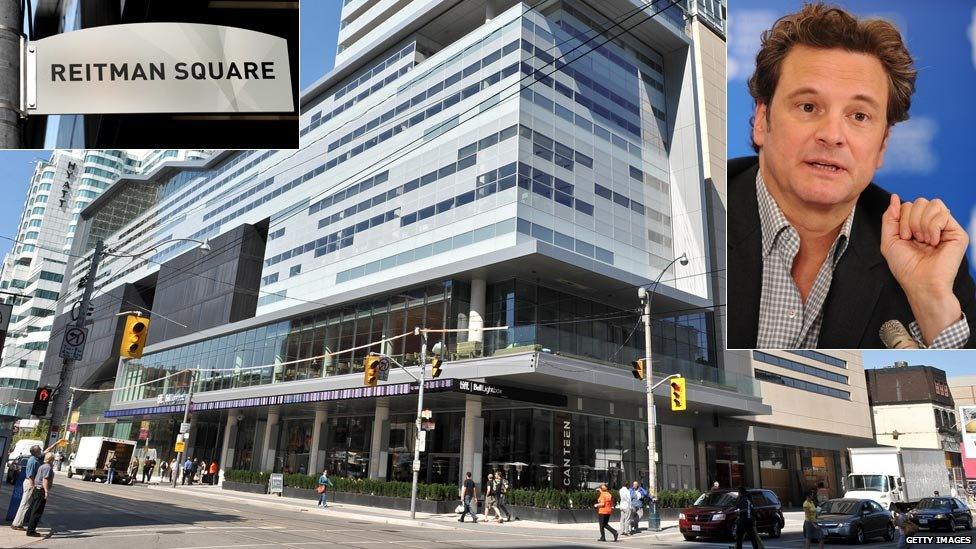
{"x":745,"y":523}
{"x":818,"y":255}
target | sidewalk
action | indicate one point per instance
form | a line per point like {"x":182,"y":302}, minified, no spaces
{"x":424,"y":520}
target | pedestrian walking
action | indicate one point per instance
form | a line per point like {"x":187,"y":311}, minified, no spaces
{"x":604,"y":507}
{"x":110,"y":470}
{"x":490,"y":498}
{"x":163,"y":469}
{"x":469,"y":498}
{"x":174,"y":469}
{"x":501,"y":493}
{"x":33,"y":463}
{"x":43,"y":481}
{"x":58,"y":458}
{"x":323,"y":488}
{"x":147,"y":468}
{"x":905,"y":526}
{"x":214,"y":472}
{"x":639,"y":500}
{"x":134,"y":470}
{"x":811,"y":530}
{"x":187,"y":472}
{"x":745,"y":524}
{"x":625,"y":510}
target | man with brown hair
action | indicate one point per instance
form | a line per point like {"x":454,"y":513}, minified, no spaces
{"x":818,"y":255}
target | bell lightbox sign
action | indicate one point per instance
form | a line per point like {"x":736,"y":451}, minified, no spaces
{"x":158,"y":68}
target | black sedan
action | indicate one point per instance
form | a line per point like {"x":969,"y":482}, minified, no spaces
{"x":855,"y":520}
{"x":947,"y":513}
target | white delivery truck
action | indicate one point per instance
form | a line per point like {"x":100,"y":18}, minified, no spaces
{"x":95,"y":454}
{"x":897,"y":476}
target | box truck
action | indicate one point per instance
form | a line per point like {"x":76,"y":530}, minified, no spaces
{"x":897,"y":477}
{"x":94,"y":455}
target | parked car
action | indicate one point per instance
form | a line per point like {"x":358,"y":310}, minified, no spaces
{"x":855,"y":520}
{"x":941,"y":512}
{"x":714,"y":514}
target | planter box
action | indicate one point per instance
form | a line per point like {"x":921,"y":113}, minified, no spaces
{"x":366,"y":500}
{"x":245,"y":487}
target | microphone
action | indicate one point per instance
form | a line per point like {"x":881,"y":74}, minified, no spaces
{"x":894,"y":335}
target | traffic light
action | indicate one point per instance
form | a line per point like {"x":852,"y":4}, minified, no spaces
{"x":371,"y":370}
{"x":134,"y":336}
{"x":639,"y":371}
{"x":679,"y":399}
{"x":435,"y":367}
{"x":41,"y":399}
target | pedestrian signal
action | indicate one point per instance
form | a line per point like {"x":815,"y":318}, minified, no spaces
{"x":371,"y":370}
{"x":435,"y":367}
{"x":134,"y":336}
{"x":639,"y":371}
{"x":679,"y":400}
{"x":42,"y":397}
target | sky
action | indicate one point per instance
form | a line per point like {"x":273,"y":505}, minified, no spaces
{"x":955,"y":363}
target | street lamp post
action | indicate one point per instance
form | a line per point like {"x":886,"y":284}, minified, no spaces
{"x":653,"y":518}
{"x":420,"y":408}
{"x":186,"y":415}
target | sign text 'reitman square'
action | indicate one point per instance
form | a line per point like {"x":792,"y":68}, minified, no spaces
{"x":159,"y":68}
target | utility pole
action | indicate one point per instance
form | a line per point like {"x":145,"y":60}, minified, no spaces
{"x":80,"y":322}
{"x":420,"y":408}
{"x":654,"y":519}
{"x":186,"y":416}
{"x":11,"y":54}
{"x":646,"y":296}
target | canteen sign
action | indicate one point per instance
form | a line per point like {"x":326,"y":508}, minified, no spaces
{"x":158,"y":68}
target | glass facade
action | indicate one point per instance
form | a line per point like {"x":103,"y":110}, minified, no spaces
{"x":537,"y":316}
{"x":529,"y":443}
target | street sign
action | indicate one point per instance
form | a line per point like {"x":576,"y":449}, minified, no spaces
{"x":422,"y":441}
{"x":416,"y":466}
{"x":143,"y":434}
{"x":179,"y":447}
{"x":428,"y":425}
{"x":72,"y":427}
{"x":384,"y":364}
{"x":170,"y":399}
{"x":144,"y":424}
{"x":158,"y":68}
{"x":276,"y":483}
{"x":73,"y":343}
{"x":184,"y":428}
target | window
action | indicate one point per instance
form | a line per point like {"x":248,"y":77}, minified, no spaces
{"x":295,"y":269}
{"x":798,"y":367}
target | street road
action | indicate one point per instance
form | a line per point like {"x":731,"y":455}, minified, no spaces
{"x":87,"y":515}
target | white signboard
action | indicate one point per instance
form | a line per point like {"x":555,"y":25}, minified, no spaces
{"x":26,"y":423}
{"x":967,"y":416}
{"x":158,"y":68}
{"x":184,"y":428}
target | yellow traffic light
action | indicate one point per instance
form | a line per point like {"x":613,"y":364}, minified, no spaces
{"x":371,"y":371}
{"x":639,"y":371}
{"x":679,"y":400}
{"x":134,"y":336}
{"x":435,"y":367}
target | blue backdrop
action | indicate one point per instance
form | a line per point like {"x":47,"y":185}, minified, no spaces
{"x":933,"y":153}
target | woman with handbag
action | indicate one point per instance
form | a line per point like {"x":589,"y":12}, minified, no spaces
{"x":323,"y":488}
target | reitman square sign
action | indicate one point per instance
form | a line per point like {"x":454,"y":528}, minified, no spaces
{"x":158,"y":68}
